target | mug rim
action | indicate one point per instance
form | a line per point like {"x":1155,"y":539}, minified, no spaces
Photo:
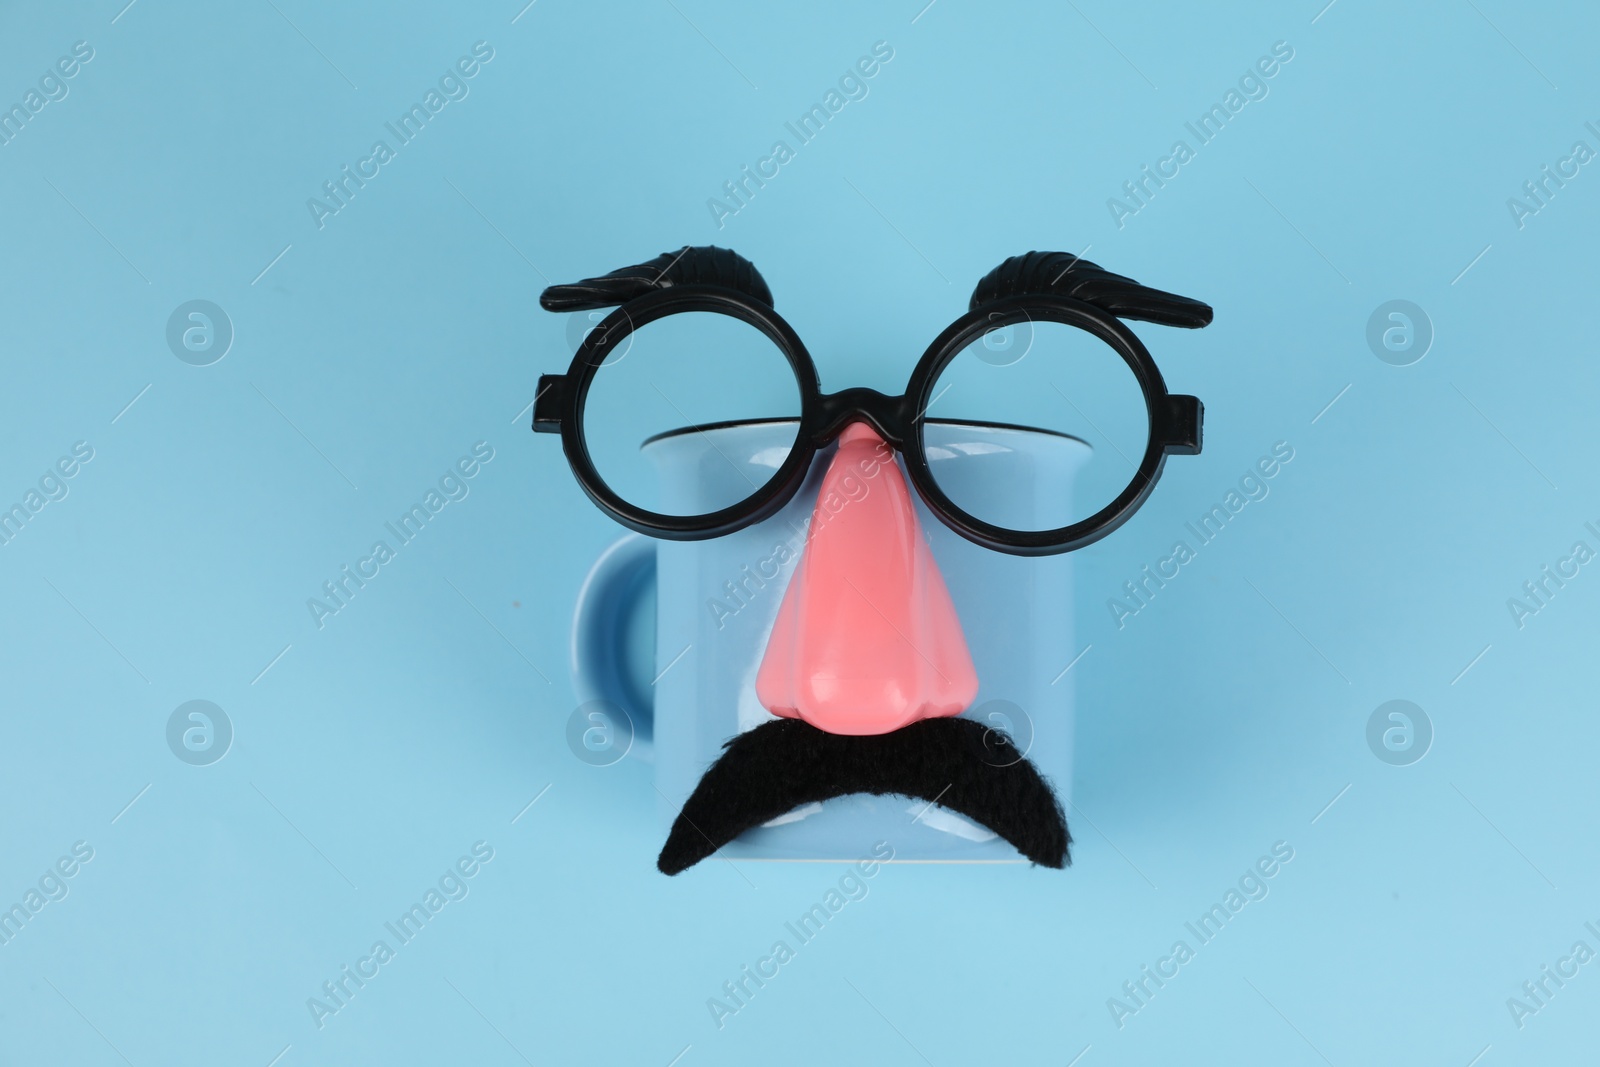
{"x":732,"y":424}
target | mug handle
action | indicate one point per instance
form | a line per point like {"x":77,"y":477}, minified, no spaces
{"x":607,"y":601}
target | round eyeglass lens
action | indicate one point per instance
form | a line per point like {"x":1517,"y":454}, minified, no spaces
{"x":691,"y":413}
{"x":1035,"y":426}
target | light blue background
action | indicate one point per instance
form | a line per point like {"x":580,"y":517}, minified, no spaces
{"x":426,"y":715}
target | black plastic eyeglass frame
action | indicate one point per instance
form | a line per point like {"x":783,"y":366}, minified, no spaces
{"x":1175,"y":419}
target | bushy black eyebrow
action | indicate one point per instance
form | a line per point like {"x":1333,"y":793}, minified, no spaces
{"x":1064,"y":274}
{"x":696,"y":265}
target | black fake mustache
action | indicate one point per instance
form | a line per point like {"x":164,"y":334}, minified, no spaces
{"x":959,"y":764}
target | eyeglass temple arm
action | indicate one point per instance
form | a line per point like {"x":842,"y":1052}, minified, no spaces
{"x":1180,"y":424}
{"x":549,"y":402}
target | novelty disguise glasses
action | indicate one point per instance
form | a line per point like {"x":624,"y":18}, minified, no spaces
{"x":1051,"y":409}
{"x":695,"y":343}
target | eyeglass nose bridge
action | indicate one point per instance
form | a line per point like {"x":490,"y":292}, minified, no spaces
{"x":889,"y":416}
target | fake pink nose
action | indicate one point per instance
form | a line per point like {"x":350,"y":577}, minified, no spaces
{"x":866,"y":640}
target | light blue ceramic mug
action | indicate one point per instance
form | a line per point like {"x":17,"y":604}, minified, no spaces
{"x":715,"y":601}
